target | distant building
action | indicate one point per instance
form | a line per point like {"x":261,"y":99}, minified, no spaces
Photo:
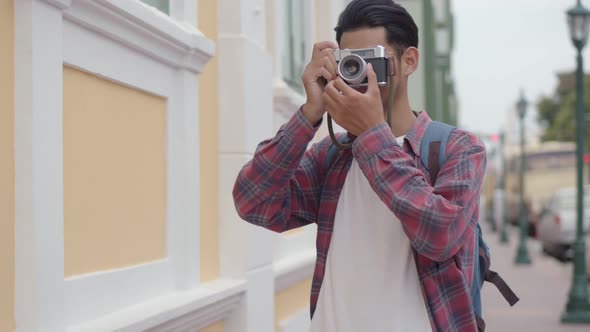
{"x":432,"y":87}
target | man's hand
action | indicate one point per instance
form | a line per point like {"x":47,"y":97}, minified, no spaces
{"x":351,"y":109}
{"x":321,"y":70}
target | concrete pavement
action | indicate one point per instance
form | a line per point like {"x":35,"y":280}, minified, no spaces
{"x":542,"y":287}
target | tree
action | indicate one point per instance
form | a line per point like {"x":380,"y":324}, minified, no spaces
{"x":557,"y":114}
{"x":547,"y":109}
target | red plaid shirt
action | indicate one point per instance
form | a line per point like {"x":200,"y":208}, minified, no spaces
{"x":287,"y":186}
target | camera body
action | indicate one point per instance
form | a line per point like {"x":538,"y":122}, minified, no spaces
{"x":352,"y":65}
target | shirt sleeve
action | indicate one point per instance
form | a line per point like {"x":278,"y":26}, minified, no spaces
{"x":279,"y":188}
{"x":434,"y":218}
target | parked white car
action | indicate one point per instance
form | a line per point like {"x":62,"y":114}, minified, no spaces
{"x":557,"y":224}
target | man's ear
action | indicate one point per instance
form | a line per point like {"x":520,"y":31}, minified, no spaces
{"x":410,"y":60}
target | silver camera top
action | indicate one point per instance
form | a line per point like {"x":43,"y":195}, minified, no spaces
{"x":352,"y":65}
{"x":365,"y":53}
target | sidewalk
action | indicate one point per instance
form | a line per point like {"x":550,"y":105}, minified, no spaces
{"x":543,"y":288}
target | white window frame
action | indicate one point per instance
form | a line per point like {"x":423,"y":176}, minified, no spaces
{"x":155,"y":6}
{"x":149,"y":51}
{"x":294,"y":56}
{"x":182,"y":11}
{"x":294,"y":254}
{"x":286,"y":98}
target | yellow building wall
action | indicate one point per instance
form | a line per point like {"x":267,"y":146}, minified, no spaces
{"x":114,"y":174}
{"x":218,"y":327}
{"x":291,"y":301}
{"x":540,"y":185}
{"x":209,"y":148}
{"x":6,"y":166}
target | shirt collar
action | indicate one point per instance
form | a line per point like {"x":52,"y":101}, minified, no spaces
{"x":414,"y":136}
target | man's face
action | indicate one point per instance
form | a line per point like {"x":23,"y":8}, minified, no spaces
{"x":369,"y":38}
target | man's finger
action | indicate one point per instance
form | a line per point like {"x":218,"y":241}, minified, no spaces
{"x":333,"y":92}
{"x":372,"y":80}
{"x":329,"y":66}
{"x":319,"y":47}
{"x":345,"y":88}
{"x":329,"y":53}
{"x":330,"y":103}
{"x":325,"y":73}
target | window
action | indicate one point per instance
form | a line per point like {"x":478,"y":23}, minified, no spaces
{"x":294,"y":49}
{"x":161,"y":5}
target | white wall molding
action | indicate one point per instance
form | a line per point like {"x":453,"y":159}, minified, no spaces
{"x":323,"y":21}
{"x":181,"y":270}
{"x":94,"y":53}
{"x":275,"y":37}
{"x":257,"y":311}
{"x":114,"y":290}
{"x":60,"y":4}
{"x":183,"y":184}
{"x":246,"y":118}
{"x":298,"y":322}
{"x":39,"y":261}
{"x":294,"y":244}
{"x":185,"y":12}
{"x":310,"y":27}
{"x":294,"y":269}
{"x":145,"y":30}
{"x":134,"y":45}
{"x":178,"y":312}
{"x":286,"y":102}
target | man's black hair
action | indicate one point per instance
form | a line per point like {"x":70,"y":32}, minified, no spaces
{"x":400,"y":27}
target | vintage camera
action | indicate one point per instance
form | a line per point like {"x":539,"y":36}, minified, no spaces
{"x":352,"y":65}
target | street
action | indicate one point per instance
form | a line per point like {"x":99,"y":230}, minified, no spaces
{"x":542,"y":287}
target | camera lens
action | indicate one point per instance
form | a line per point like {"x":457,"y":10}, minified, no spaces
{"x":353,"y":69}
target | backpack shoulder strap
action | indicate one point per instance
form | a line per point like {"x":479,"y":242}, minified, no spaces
{"x":508,"y":294}
{"x":433,"y":149}
{"x":333,"y":150}
{"x":433,"y":157}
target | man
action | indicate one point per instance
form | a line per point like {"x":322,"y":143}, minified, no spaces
{"x":394,"y":251}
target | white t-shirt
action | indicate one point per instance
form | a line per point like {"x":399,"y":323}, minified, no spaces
{"x":371,"y":282}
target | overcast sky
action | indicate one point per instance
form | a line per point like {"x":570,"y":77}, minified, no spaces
{"x":502,"y":46}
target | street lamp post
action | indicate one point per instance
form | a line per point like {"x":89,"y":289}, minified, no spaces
{"x":522,"y":255}
{"x":504,"y":217}
{"x":578,"y":308}
{"x":496,"y":205}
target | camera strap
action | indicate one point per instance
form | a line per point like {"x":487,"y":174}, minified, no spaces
{"x":390,"y":98}
{"x":340,"y":146}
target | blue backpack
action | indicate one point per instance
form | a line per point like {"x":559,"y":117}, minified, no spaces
{"x":433,"y":156}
